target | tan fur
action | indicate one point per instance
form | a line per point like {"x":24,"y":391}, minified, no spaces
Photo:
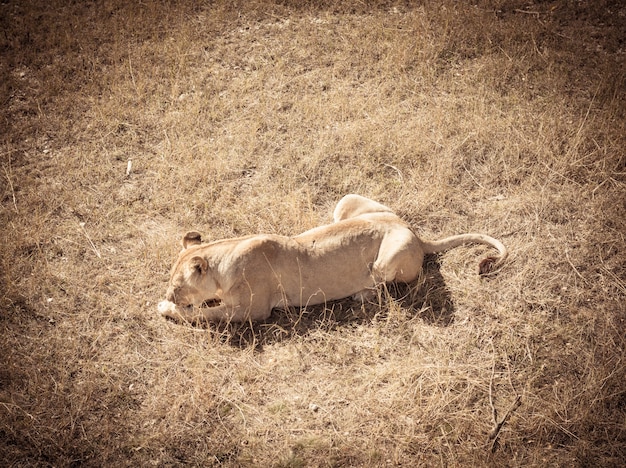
{"x":366,"y":245}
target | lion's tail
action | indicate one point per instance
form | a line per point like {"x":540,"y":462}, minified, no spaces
{"x":486,"y":266}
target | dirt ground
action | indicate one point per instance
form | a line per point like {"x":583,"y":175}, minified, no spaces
{"x":126,"y":124}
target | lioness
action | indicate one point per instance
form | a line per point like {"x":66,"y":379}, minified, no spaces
{"x":244,"y":278}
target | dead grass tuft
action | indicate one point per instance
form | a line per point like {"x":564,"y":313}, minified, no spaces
{"x":503,"y":117}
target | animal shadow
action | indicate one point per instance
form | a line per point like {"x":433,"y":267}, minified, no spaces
{"x":427,"y":299}
{"x":437,"y":307}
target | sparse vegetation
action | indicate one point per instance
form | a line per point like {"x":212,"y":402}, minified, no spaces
{"x":506,"y":117}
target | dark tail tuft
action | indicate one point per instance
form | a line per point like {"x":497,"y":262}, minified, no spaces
{"x":487,"y":266}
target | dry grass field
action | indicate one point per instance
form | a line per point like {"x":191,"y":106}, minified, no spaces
{"x":506,"y":117}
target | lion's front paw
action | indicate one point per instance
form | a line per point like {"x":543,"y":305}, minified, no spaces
{"x":166,"y":308}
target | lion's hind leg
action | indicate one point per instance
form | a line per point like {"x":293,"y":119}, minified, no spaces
{"x":399,"y":258}
{"x":354,"y":205}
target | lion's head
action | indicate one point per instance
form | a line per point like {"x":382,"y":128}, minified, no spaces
{"x":191,"y":282}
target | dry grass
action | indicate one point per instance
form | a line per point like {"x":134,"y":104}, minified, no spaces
{"x":507,"y":117}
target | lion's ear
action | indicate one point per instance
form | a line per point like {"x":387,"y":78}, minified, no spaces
{"x":191,"y":238}
{"x":199,"y":265}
